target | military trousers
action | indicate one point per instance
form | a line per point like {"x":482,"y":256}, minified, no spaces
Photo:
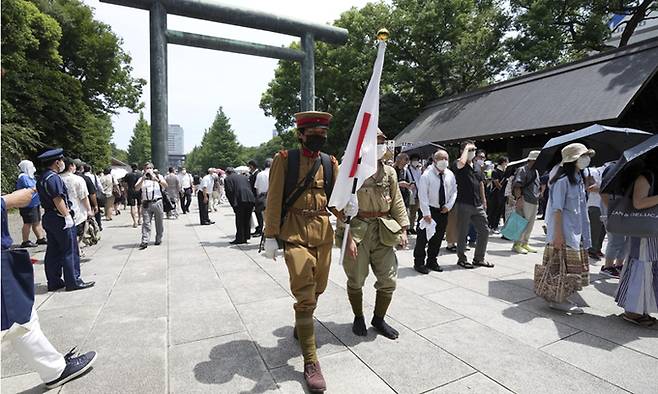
{"x":371,"y":253}
{"x":309,"y":271}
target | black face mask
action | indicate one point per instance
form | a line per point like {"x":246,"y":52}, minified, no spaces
{"x":315,"y":142}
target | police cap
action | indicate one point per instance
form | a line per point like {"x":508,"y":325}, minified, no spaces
{"x":51,"y":154}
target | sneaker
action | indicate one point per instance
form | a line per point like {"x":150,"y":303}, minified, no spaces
{"x":143,"y":246}
{"x":28,"y":244}
{"x":594,"y":256}
{"x":519,"y":249}
{"x":75,"y":366}
{"x":42,"y":241}
{"x":496,"y":232}
{"x":610,"y":272}
{"x":313,"y":376}
{"x":529,"y":248}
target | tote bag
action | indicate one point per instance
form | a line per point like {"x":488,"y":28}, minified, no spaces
{"x":514,"y":226}
{"x":624,"y":219}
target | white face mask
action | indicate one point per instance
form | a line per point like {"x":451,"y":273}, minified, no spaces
{"x":60,"y":167}
{"x":583,"y":162}
{"x":471,"y":155}
{"x":441,"y":165}
{"x":183,"y":172}
{"x":381,"y":150}
{"x":415,"y":163}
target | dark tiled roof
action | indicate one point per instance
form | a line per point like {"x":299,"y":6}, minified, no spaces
{"x":594,"y":89}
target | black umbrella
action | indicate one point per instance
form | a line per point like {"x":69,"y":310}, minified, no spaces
{"x":608,"y":142}
{"x":424,"y":150}
{"x":631,"y":162}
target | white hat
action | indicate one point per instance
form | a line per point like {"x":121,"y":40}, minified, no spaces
{"x":533,"y":155}
{"x":572,"y":152}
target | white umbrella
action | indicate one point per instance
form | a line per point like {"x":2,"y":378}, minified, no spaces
{"x":118,"y":173}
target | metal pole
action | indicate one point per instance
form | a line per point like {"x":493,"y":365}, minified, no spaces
{"x":308,"y":73}
{"x":158,"y":41}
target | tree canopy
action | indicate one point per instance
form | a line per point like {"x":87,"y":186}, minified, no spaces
{"x":219,"y":146}
{"x":64,"y":74}
{"x":139,"y":148}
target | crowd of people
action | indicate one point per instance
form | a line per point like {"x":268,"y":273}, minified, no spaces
{"x":462,"y":201}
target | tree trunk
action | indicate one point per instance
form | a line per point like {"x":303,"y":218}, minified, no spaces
{"x":637,"y":17}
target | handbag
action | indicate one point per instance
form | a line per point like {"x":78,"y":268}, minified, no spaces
{"x":625,"y":219}
{"x":555,"y":286}
{"x":514,"y":226}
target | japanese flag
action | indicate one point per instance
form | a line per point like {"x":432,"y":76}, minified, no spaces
{"x":360,"y":159}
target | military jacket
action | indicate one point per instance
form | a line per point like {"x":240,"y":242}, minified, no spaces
{"x":309,"y":230}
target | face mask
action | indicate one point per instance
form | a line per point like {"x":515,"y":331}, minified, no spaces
{"x":471,"y":155}
{"x":415,"y":163}
{"x":60,"y":167}
{"x":381,"y":150}
{"x":441,"y":165}
{"x":183,"y":172}
{"x":315,"y":142}
{"x":583,"y":162}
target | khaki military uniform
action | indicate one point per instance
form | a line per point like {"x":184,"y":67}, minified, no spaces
{"x":307,"y":236}
{"x":376,"y":231}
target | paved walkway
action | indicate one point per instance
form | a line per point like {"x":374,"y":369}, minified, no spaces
{"x":199,"y":315}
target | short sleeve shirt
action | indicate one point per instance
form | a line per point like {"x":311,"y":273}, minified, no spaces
{"x":570,"y":200}
{"x":25,"y":182}
{"x":49,"y":187}
{"x":77,"y":190}
{"x":151,"y":189}
{"x":131,"y":179}
{"x":91,"y":188}
{"x":528,"y":181}
{"x":468,"y":185}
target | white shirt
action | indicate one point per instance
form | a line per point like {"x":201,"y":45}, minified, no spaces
{"x":594,"y":199}
{"x":262,"y":183}
{"x":207,"y":182}
{"x":151,"y":189}
{"x":185,"y":180}
{"x":429,"y":186}
{"x":77,"y":191}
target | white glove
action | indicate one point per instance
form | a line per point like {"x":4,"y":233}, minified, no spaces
{"x":271,"y":246}
{"x":68,"y":222}
{"x":352,"y":207}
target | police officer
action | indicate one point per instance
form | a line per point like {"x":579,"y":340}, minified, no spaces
{"x":62,"y":252}
{"x":380,"y":225}
{"x":301,"y":181}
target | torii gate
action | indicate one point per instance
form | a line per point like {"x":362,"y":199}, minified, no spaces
{"x":232,"y":15}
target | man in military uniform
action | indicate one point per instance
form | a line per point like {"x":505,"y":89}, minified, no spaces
{"x":380,"y":225}
{"x":62,"y":252}
{"x":301,"y":181}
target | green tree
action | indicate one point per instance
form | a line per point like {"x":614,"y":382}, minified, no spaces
{"x":551,"y":32}
{"x":139,"y":148}
{"x":219,"y":146}
{"x":437,"y":48}
{"x":64,"y":74}
{"x":118,"y":153}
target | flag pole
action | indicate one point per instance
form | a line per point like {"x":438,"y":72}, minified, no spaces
{"x":382,"y":36}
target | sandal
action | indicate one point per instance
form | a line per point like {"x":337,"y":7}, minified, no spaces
{"x":642,"y":321}
{"x":483,"y":264}
{"x":465,"y":264}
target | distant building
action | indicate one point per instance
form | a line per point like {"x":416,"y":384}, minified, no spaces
{"x":645,"y":30}
{"x":175,"y":140}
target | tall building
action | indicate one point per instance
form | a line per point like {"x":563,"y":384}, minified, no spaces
{"x":175,"y":140}
{"x":176,"y":145}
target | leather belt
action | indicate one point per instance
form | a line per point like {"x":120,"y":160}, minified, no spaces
{"x":370,"y":215}
{"x":309,"y":212}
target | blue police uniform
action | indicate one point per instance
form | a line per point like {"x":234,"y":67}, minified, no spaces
{"x":17,"y":280}
{"x":62,"y":253}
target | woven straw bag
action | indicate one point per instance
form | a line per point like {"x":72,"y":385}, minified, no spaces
{"x":553,"y":282}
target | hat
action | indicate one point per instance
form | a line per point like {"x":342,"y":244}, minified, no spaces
{"x":533,"y":155}
{"x":78,"y":162}
{"x":572,"y":152}
{"x":51,"y":154}
{"x":312,"y":119}
{"x":380,"y":133}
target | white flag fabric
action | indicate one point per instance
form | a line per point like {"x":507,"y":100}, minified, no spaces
{"x":363,"y":141}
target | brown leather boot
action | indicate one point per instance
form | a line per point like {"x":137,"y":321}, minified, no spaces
{"x":314,"y":379}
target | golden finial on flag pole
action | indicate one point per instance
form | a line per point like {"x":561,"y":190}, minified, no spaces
{"x":383,"y":34}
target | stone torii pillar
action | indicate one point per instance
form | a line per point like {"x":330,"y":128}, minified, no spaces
{"x":209,"y":10}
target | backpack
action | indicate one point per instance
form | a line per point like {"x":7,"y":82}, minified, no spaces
{"x":291,"y":186}
{"x":92,"y":233}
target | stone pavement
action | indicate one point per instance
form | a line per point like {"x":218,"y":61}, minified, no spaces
{"x":199,"y":315}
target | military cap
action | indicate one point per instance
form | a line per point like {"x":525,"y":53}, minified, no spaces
{"x":51,"y":154}
{"x":312,"y":119}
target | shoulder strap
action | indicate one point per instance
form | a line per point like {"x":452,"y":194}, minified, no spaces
{"x":328,"y":172}
{"x":292,"y":172}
